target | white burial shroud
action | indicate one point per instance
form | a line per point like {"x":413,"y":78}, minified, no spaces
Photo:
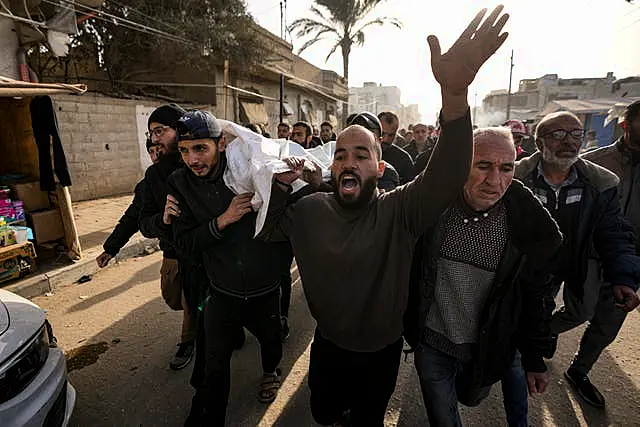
{"x":253,"y":159}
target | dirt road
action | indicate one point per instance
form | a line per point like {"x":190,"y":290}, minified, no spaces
{"x":120,"y":336}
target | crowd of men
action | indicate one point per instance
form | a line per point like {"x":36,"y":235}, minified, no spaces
{"x":457,"y":245}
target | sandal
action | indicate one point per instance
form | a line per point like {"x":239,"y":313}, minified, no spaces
{"x":269,"y":387}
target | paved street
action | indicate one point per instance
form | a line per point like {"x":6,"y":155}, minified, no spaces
{"x":120,"y":337}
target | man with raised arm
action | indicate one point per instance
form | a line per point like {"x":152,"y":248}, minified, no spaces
{"x":354,"y":247}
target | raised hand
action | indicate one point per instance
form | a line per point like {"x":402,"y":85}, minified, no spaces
{"x":456,"y":69}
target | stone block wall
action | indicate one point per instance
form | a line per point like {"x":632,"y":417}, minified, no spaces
{"x":100,"y":138}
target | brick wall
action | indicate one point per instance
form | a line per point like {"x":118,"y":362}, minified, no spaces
{"x":100,"y":138}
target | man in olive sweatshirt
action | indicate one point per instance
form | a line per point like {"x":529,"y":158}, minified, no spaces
{"x":354,"y":247}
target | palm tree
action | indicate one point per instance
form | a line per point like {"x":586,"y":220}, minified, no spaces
{"x":343,"y":21}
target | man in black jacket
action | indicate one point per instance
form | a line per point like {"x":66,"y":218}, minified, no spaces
{"x":244,"y":273}
{"x":155,"y":222}
{"x":583,"y":198}
{"x":128,"y":224}
{"x":391,"y":151}
{"x":482,"y":291}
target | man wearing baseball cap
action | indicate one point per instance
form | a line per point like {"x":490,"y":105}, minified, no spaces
{"x":215,"y":227}
{"x":156,"y":223}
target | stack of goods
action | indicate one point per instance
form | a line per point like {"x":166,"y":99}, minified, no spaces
{"x":7,"y":234}
{"x":11,"y":211}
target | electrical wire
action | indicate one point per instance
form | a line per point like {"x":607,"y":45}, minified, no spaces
{"x":115,"y":20}
{"x":144,"y":15}
{"x":121,"y":19}
{"x":107,"y":17}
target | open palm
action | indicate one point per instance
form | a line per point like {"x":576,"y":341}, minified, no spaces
{"x":456,"y":69}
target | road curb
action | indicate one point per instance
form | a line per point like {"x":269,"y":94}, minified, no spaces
{"x":42,"y":283}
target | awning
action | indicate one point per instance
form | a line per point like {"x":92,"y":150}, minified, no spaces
{"x":254,"y":113}
{"x":11,"y":88}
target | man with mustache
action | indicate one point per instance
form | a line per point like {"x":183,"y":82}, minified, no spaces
{"x":354,"y":247}
{"x":482,"y":290}
{"x":584,"y":200}
{"x":621,"y":158}
{"x":216,"y":228}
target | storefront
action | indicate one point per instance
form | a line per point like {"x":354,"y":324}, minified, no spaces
{"x":30,"y":219}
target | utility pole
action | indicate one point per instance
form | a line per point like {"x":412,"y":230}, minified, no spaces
{"x":226,"y":88}
{"x":475,"y":107}
{"x":509,"y":94}
{"x":281,"y":96}
{"x":281,"y":23}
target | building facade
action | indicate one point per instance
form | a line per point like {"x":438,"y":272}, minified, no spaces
{"x":376,"y":98}
{"x":533,"y":94}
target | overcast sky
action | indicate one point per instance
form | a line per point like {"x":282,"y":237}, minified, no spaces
{"x":573,"y":38}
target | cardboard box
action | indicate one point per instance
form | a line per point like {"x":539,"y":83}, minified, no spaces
{"x":31,"y":195}
{"x":47,"y":225}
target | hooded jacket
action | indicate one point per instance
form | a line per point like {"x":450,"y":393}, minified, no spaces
{"x":517,"y":313}
{"x":236,"y":264}
{"x":601,"y":225}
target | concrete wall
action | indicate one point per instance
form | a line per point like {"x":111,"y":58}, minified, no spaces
{"x":99,"y":135}
{"x":8,"y":47}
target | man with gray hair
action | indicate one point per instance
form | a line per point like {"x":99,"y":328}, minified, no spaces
{"x":583,"y":198}
{"x":479,"y":304}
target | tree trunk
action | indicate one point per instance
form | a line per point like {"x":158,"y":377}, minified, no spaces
{"x":346,"y":50}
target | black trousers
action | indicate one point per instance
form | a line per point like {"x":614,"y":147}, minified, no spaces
{"x":342,"y":380}
{"x":223,"y":316}
{"x":285,"y":287}
{"x":46,"y":132}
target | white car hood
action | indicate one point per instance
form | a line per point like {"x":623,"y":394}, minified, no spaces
{"x":20,"y":319}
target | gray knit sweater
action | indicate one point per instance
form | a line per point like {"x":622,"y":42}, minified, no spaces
{"x":470,"y":254}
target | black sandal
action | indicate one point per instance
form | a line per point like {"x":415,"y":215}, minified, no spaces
{"x":269,"y":387}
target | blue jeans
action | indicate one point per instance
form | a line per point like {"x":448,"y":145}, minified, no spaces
{"x":444,"y":381}
{"x":516,"y":394}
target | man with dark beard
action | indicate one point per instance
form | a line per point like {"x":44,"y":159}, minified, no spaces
{"x":244,"y":273}
{"x":155,"y":222}
{"x":583,"y":199}
{"x":354,"y":247}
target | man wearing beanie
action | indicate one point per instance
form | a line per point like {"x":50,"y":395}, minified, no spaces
{"x":155,"y":223}
{"x":216,"y":227}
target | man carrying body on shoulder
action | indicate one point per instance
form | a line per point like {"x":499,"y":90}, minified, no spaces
{"x":217,"y":227}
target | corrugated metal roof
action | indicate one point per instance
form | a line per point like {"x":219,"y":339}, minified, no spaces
{"x":10,"y":88}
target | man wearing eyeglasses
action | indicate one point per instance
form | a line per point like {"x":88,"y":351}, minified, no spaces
{"x":155,"y":222}
{"x":583,"y":198}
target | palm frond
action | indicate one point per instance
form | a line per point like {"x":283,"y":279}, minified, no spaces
{"x":306,"y":26}
{"x":315,"y":39}
{"x":333,"y":50}
{"x":383,"y":20}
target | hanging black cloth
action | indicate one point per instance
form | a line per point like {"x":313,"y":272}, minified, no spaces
{"x":46,"y":132}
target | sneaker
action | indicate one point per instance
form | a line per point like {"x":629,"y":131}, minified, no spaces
{"x":583,"y":386}
{"x":240,"y":338}
{"x":285,"y":332}
{"x":183,"y":355}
